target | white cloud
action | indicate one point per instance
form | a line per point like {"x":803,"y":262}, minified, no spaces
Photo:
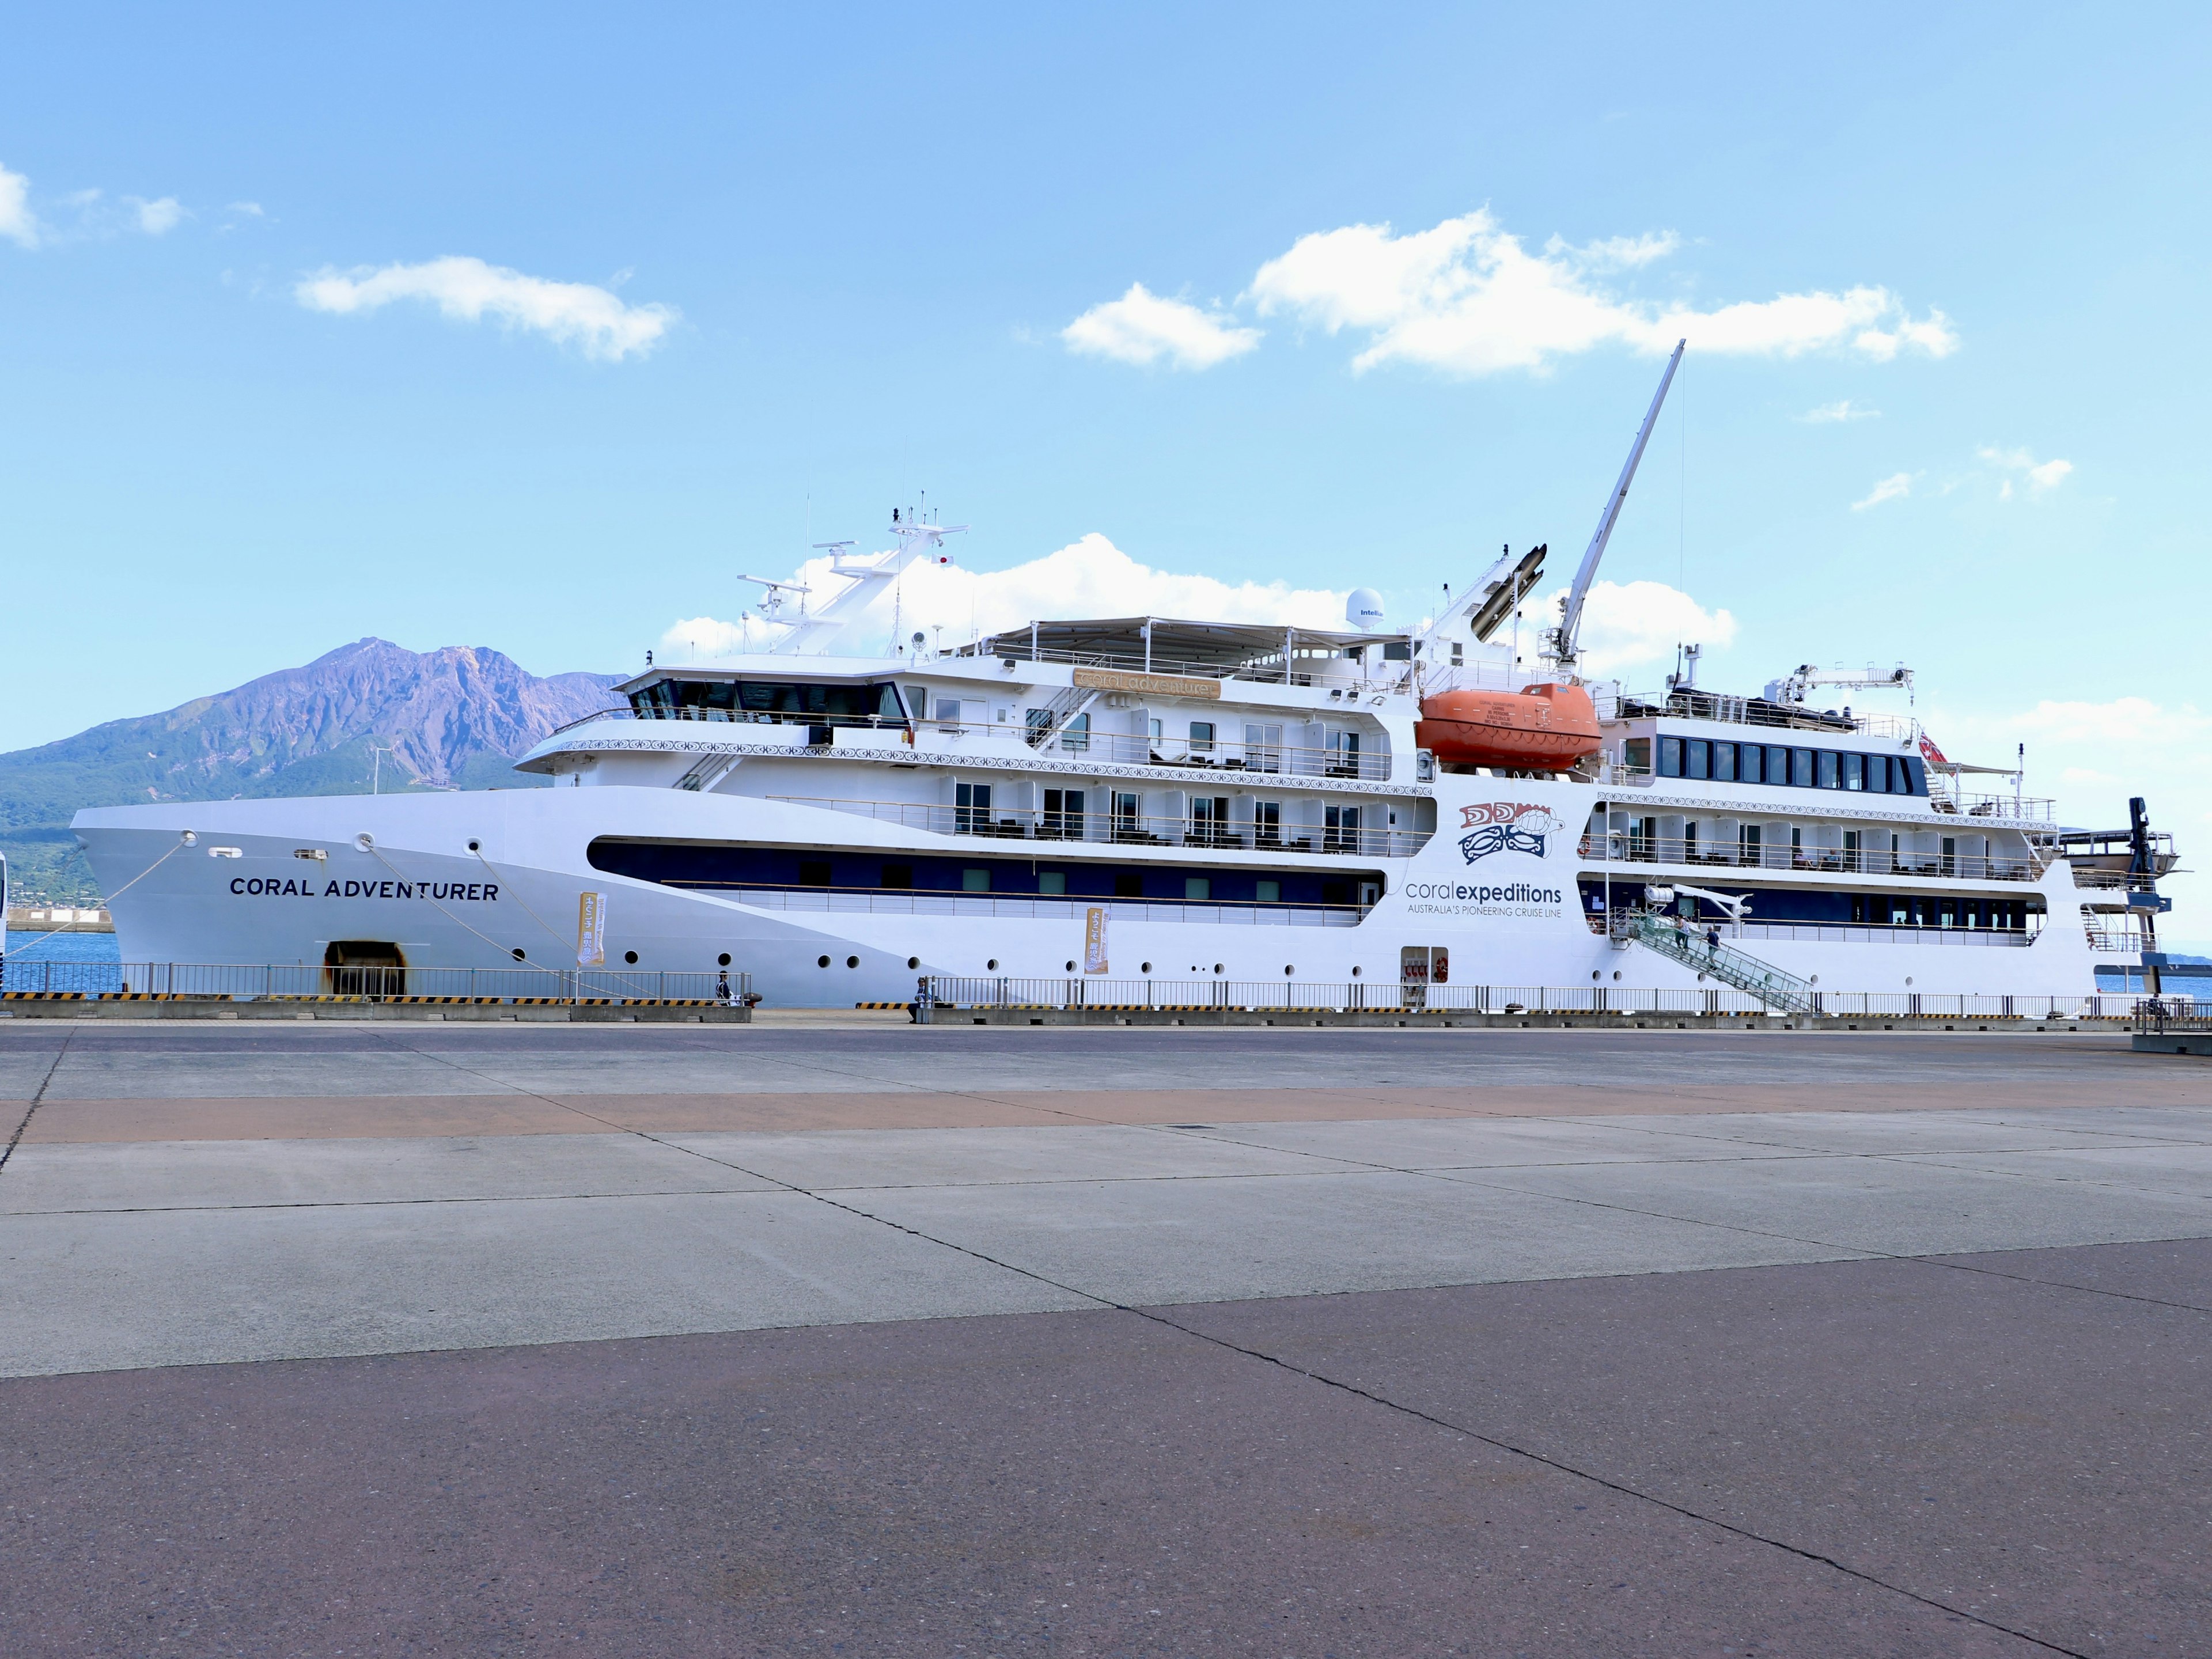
{"x":17,"y":223}
{"x":1845,"y":410}
{"x":157,"y":218}
{"x":2041,"y":475}
{"x":1088,"y":578}
{"x":252,"y":210}
{"x":1627,"y":625}
{"x":1468,"y":297}
{"x":1141,"y":327}
{"x":1895,"y":486}
{"x":573,"y":313}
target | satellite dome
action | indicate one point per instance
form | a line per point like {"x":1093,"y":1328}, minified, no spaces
{"x":1363,"y":609}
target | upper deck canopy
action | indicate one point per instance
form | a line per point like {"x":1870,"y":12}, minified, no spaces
{"x":1166,"y":645}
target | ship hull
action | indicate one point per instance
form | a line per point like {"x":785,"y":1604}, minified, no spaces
{"x":1501,"y":887}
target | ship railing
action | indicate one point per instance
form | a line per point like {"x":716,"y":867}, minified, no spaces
{"x":2118,"y":941}
{"x":1959,"y":804}
{"x":1094,"y":828}
{"x":1227,"y":754}
{"x":1025,"y":907}
{"x":368,"y":981}
{"x":1747,"y":711}
{"x":1628,"y":846}
{"x":1291,"y":996}
{"x":1303,"y":666}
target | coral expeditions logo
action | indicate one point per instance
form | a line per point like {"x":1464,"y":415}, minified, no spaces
{"x":1505,"y":827}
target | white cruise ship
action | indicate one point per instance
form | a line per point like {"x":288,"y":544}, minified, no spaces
{"x":1103,"y":805}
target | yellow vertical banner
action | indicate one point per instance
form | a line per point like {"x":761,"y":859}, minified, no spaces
{"x":1094,"y":939}
{"x":591,"y":929}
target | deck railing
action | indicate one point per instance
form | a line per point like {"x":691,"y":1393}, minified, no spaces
{"x":1228,"y":754}
{"x":1093,"y":827}
{"x":1626,"y":847}
{"x":1023,"y":907}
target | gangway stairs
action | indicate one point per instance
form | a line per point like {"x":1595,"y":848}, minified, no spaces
{"x":1783,"y":993}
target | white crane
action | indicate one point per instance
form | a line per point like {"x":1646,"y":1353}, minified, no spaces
{"x":1571,"y":615}
{"x":1797,"y":686}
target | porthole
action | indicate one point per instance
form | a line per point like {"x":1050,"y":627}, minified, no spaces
{"x":1217,"y":967}
{"x":821,"y":961}
{"x":992,"y":966}
{"x":1355,"y":973}
{"x":1595,"y":974}
{"x":517,"y":953}
{"x":723,"y":960}
{"x":1146,"y":969}
{"x":1288,"y":969}
{"x":1616,"y":973}
{"x":851,"y":962}
{"x":1071,"y":967}
{"x":914,"y":962}
{"x":474,"y":845}
{"x":631,"y":956}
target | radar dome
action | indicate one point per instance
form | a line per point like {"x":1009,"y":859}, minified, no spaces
{"x":1363,"y":609}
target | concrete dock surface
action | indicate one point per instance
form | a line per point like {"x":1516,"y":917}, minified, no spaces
{"x":841,"y":1336}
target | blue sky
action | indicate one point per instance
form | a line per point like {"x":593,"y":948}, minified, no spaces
{"x":836,"y":257}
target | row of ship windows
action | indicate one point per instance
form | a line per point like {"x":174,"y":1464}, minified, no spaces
{"x":1778,"y":764}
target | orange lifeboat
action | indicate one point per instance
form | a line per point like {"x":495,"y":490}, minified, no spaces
{"x":1542,"y":728}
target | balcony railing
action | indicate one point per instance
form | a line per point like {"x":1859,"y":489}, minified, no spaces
{"x":1944,"y":798}
{"x":1749,"y":711}
{"x":1226,"y":755}
{"x":1627,"y":847}
{"x":1128,"y":830}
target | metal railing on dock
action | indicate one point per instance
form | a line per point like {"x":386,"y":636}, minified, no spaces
{"x":276,"y":982}
{"x":1356,"y":996}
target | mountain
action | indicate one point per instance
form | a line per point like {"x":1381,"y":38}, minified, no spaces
{"x":453,"y":718}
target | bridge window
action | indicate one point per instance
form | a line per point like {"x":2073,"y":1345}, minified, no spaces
{"x":1670,"y":758}
{"x":1697,"y":758}
{"x":1801,"y":769}
{"x":1824,"y":769}
{"x":1854,"y":771}
{"x":1724,"y":762}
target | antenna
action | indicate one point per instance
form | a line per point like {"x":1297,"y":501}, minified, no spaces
{"x":1571,"y":615}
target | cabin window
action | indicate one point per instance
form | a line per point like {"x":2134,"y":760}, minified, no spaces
{"x":1152,"y":730}
{"x":1266,"y":824}
{"x":1263,"y":748}
{"x":974,"y":881}
{"x":1777,"y":764}
{"x":1201,"y":737}
{"x":1901,"y":913}
{"x":1851,"y":860}
{"x":1075,"y":736}
{"x":1750,"y":768}
{"x":1747,"y":839}
{"x":1854,"y":771}
{"x":1197,"y":887}
{"x":1697,"y":758}
{"x":1344,"y":754}
{"x":1063,"y":815}
{"x":971,"y":810}
{"x":1128,"y":886}
{"x":917,"y":701}
{"x":1670,"y":758}
{"x":1877,"y":775}
{"x":1340,"y":829}
{"x":948,"y":713}
{"x":814,"y":872}
{"x":1125,"y":816}
{"x":1689,"y":841}
{"x":1724,"y":762}
{"x":1916,"y":775}
{"x":1269,"y":892}
{"x":1801,"y":769}
{"x":898,"y":877}
{"x":1209,"y":820}
{"x":1825,"y":776}
{"x":1636,"y":752}
{"x":1053,"y":884}
{"x":1036,"y":723}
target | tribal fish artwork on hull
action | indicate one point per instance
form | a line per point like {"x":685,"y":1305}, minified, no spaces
{"x":1505,"y":827}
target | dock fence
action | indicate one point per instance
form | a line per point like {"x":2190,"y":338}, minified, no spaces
{"x":271,"y":981}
